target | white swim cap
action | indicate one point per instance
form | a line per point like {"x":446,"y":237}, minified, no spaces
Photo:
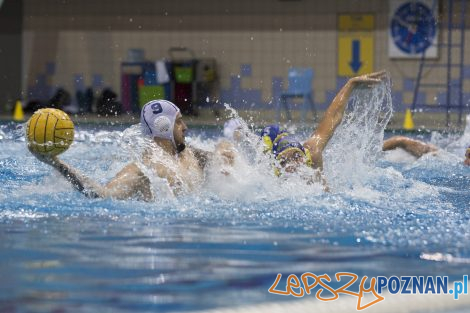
{"x":158,"y":119}
{"x":231,"y":126}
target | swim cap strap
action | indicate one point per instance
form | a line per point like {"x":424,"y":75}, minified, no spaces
{"x":308,"y":156}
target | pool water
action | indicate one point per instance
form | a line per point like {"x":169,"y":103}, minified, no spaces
{"x":224,"y":244}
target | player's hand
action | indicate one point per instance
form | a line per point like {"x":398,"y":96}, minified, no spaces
{"x":51,"y":160}
{"x":368,"y":79}
{"x":381,"y":74}
{"x":226,"y":152}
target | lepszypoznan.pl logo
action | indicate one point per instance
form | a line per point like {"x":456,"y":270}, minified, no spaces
{"x":320,"y":285}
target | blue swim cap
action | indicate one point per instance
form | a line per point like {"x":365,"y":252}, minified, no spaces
{"x":287,"y":143}
{"x":278,"y":141}
{"x":271,"y":135}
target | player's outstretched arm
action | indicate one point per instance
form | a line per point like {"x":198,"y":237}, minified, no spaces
{"x":129,"y":183}
{"x":412,"y":146}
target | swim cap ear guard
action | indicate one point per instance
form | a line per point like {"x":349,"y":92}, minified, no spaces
{"x":157,"y":119}
{"x":268,"y":144}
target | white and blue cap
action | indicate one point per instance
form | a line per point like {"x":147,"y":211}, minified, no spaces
{"x":231,"y":126}
{"x":158,"y":119}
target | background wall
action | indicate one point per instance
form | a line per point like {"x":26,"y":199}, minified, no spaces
{"x":10,"y":52}
{"x":77,"y":43}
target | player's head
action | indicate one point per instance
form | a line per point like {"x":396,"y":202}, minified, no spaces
{"x":233,"y":129}
{"x":467,"y":157}
{"x":291,"y":154}
{"x":162,"y":119}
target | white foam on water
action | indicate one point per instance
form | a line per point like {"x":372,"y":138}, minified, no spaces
{"x":23,"y":214}
{"x":51,"y":184}
{"x":458,"y":144}
{"x":437,"y":160}
{"x":15,"y":134}
{"x":444,"y":257}
{"x":399,"y":156}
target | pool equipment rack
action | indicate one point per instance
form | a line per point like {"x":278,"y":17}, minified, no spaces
{"x":183,"y":83}
{"x":453,"y":86}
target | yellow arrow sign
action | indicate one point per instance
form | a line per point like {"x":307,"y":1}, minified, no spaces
{"x":355,"y":53}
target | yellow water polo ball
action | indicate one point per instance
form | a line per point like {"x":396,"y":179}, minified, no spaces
{"x":49,"y":132}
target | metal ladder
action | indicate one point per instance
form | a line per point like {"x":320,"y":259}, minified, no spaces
{"x":454,"y":91}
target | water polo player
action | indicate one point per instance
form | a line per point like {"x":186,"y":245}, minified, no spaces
{"x":167,"y":157}
{"x":233,"y":129}
{"x":289,"y":153}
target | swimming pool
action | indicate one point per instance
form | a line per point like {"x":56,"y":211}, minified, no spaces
{"x":222,"y":246}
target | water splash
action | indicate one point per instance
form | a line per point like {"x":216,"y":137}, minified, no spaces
{"x":458,"y":144}
{"x":12,"y":132}
{"x":357,"y":142}
{"x":351,"y":154}
{"x":365,"y":188}
{"x":350,"y":158}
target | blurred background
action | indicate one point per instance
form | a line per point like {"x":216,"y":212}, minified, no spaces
{"x":109,"y":57}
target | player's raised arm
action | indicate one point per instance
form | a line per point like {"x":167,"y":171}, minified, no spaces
{"x":334,"y":115}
